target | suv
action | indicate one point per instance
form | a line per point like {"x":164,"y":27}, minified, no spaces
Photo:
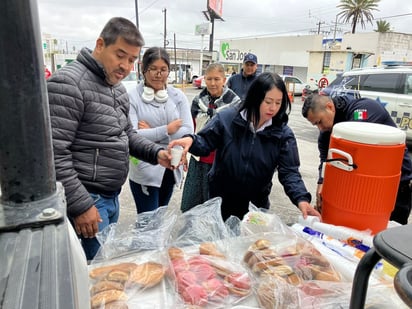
{"x":391,"y":85}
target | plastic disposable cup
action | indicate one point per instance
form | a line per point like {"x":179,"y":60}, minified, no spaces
{"x":176,"y":153}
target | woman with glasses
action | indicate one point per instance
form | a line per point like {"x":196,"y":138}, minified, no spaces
{"x":160,"y":113}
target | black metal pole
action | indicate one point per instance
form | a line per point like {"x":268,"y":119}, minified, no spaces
{"x":136,"y":2}
{"x":26,"y":156}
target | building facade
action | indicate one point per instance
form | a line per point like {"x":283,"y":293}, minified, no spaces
{"x":312,"y":57}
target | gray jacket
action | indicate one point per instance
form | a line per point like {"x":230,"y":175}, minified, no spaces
{"x":92,"y":133}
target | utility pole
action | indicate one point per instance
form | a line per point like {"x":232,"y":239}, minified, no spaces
{"x":164,"y":29}
{"x":137,"y":12}
{"x":319,"y":23}
{"x":137,"y":25}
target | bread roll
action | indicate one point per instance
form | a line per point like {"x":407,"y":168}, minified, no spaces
{"x":117,"y":305}
{"x":208,"y":248}
{"x":100,"y":272}
{"x":175,"y":253}
{"x":103,"y":298}
{"x":105,"y":285}
{"x":146,"y":275}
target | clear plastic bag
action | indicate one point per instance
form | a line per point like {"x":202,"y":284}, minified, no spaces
{"x":151,"y":231}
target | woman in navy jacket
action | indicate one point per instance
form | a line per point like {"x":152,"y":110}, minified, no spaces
{"x":251,"y":143}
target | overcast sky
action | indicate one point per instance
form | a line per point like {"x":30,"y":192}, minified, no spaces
{"x":79,"y":22}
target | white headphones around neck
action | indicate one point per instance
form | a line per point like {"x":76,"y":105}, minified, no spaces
{"x":149,"y":95}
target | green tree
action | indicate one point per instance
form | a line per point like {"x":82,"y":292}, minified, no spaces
{"x":357,"y":11}
{"x":383,"y":26}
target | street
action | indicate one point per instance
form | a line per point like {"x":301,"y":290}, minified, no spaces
{"x":306,"y":136}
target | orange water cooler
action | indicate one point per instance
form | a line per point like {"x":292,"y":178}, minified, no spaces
{"x":361,"y":175}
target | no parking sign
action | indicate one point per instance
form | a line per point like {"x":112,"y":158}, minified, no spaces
{"x":323,"y":82}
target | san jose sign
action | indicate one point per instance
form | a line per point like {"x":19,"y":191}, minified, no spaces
{"x":231,"y":55}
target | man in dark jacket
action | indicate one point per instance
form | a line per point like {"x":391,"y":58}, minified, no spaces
{"x":91,"y":130}
{"x":240,"y":82}
{"x":324,"y":112}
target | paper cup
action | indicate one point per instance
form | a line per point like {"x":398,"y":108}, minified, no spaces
{"x":176,"y":153}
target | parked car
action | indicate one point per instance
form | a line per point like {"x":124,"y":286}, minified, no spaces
{"x":197,"y":82}
{"x":297,"y":84}
{"x":391,"y":85}
{"x":130,"y":81}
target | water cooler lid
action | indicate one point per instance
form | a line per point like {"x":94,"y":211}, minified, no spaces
{"x":368,"y":133}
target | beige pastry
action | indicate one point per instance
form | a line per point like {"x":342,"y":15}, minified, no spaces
{"x":106,"y":297}
{"x":100,"y":272}
{"x":118,"y":276}
{"x":117,"y":305}
{"x":208,"y":248}
{"x":146,"y":275}
{"x":105,"y":285}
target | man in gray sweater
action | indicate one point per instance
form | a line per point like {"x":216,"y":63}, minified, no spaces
{"x":92,"y":133}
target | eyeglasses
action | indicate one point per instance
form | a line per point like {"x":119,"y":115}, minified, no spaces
{"x":155,"y":72}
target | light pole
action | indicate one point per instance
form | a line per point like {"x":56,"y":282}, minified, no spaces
{"x":136,"y":2}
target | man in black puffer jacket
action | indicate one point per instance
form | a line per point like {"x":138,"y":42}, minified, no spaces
{"x":91,"y":130}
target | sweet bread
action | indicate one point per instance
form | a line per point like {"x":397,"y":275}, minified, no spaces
{"x":117,"y":305}
{"x":238,"y":283}
{"x":208,"y":248}
{"x":100,"y":272}
{"x":175,"y":253}
{"x":105,"y":285}
{"x":146,"y":275}
{"x":103,"y":298}
{"x":117,"y":276}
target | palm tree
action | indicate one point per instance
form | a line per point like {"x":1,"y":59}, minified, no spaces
{"x":383,"y":26}
{"x":357,"y":11}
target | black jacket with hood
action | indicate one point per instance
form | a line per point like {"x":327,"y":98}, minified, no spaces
{"x":92,"y":133}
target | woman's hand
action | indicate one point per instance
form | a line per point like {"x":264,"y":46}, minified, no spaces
{"x":173,"y":126}
{"x":308,"y":210}
{"x":185,"y":142}
{"x":143,"y":125}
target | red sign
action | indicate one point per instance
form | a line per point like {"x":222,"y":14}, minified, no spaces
{"x":323,"y":82}
{"x":216,"y":6}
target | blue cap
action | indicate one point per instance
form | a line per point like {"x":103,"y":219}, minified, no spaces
{"x":250,"y":58}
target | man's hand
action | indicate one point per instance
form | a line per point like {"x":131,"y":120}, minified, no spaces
{"x":163,"y":158}
{"x":87,"y":224}
{"x":308,"y":210}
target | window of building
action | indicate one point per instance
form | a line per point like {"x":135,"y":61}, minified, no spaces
{"x":326,"y":62}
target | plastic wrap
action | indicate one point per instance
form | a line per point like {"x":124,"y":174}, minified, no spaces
{"x":200,"y":224}
{"x":195,"y":260}
{"x":203,"y":276}
{"x":136,"y":281}
{"x":151,"y":231}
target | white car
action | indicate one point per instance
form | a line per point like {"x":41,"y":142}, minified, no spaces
{"x":296,"y":85}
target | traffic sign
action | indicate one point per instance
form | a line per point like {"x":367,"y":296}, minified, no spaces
{"x":323,"y":82}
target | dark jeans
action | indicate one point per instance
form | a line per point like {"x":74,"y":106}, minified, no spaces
{"x":150,"y":198}
{"x":402,"y":208}
{"x":108,"y":207}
